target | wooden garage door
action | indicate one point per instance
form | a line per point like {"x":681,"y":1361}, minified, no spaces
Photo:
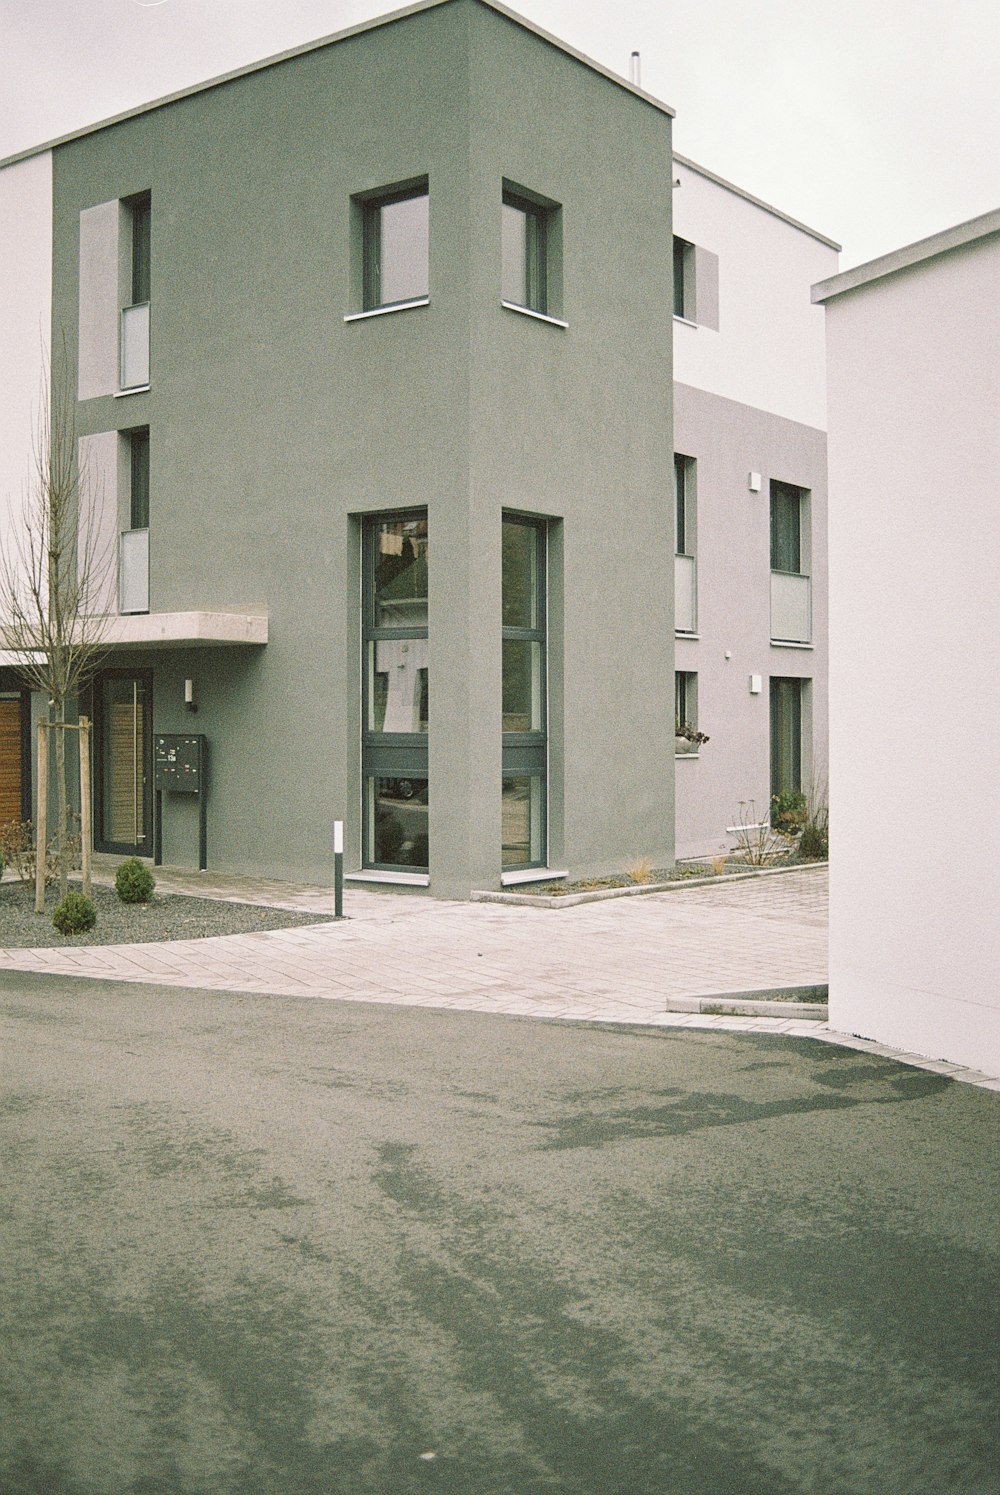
{"x":10,"y":759}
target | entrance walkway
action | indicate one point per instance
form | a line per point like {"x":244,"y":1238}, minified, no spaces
{"x":620,"y":960}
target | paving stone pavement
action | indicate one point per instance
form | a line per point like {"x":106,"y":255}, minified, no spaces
{"x":615,"y":961}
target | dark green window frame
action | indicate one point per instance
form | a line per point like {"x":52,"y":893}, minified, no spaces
{"x":786,"y":528}
{"x":372,"y":208}
{"x":683,"y":527}
{"x":786,"y":734}
{"x":532,"y":290}
{"x":683,"y":279}
{"x":400,"y":757}
{"x":524,"y":754}
{"x":138,"y":441}
{"x":141,"y":214}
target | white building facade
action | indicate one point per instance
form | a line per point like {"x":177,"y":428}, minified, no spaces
{"x":914,"y":368}
{"x":750,"y":527}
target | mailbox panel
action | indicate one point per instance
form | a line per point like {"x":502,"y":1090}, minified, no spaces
{"x":179,"y":762}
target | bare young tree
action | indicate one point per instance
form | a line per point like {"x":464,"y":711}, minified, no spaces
{"x":55,"y":570}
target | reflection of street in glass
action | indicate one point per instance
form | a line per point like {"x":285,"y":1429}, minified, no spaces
{"x":401,"y":822}
{"x":516,"y":821}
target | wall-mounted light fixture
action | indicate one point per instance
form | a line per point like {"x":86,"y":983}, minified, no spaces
{"x":189,"y":701}
{"x":753,"y":482}
{"x":756,"y":682}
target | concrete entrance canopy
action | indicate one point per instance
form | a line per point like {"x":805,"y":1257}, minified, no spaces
{"x":194,"y":630}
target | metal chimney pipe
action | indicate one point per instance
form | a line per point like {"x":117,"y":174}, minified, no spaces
{"x":635,"y":70}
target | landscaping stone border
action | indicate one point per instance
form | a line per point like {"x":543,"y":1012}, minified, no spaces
{"x":758,"y":1003}
{"x":596,"y":895}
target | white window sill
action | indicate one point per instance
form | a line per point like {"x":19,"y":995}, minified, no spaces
{"x":682,"y":757}
{"x":384,"y":311}
{"x":539,"y":316}
{"x":399,"y":879}
{"x":137,"y":389}
{"x":530,"y":874}
{"x":680,"y":633}
{"x":685,"y":321}
{"x":787,"y":643}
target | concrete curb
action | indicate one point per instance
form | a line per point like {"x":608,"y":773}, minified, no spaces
{"x":597,"y":895}
{"x":757,"y":1003}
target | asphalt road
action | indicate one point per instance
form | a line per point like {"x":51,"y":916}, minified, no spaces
{"x":260,"y":1246}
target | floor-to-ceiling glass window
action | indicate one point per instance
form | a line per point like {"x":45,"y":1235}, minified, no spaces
{"x":395,"y":694}
{"x":524,"y":704}
{"x":123,"y":707}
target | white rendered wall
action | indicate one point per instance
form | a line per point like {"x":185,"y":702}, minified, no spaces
{"x":914,"y":658}
{"x":769,"y":349}
{"x":25,"y":320}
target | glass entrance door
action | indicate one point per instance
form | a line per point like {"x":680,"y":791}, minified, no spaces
{"x":124,"y":709}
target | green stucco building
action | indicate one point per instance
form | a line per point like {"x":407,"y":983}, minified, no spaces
{"x":372,"y":344}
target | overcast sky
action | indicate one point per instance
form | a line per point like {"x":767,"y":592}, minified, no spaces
{"x":875,"y":121}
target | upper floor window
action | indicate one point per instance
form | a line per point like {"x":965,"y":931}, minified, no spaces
{"x":685,"y":577}
{"x":786,"y":528}
{"x":141,"y":245}
{"x":791,"y":563}
{"x":530,"y":252}
{"x":395,"y":231}
{"x":696,"y":284}
{"x":134,"y":369}
{"x":683,"y":279}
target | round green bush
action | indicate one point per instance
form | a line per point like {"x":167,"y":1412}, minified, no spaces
{"x":74,"y":915}
{"x":134,"y":883}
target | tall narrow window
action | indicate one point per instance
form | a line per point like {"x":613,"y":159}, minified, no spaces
{"x":396,"y":247}
{"x":133,"y":557}
{"x":135,"y":316}
{"x":139,"y":478}
{"x":141,"y":245}
{"x":685,"y":576}
{"x":786,"y":528}
{"x":786,"y":735}
{"x":523,"y":691}
{"x":791,"y":588}
{"x":683,"y":279}
{"x":396,"y":693}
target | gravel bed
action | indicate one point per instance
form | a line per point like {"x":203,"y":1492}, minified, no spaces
{"x":171,"y":916}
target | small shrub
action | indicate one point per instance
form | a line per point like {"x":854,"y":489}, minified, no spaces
{"x":74,"y":915}
{"x":788,"y":811}
{"x":814,"y":842}
{"x":17,"y":849}
{"x":134,"y":883}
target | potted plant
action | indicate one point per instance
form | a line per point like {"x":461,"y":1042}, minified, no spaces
{"x":688,"y":740}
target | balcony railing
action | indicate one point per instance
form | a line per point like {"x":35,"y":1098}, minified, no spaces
{"x":133,"y":571}
{"x":135,"y":346}
{"x":685,"y":594}
{"x":791,"y":608}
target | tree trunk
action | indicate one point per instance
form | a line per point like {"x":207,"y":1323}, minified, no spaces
{"x":62,"y":810}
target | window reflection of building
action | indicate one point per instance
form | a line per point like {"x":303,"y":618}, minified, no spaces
{"x":401,"y":685}
{"x":394,"y":750}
